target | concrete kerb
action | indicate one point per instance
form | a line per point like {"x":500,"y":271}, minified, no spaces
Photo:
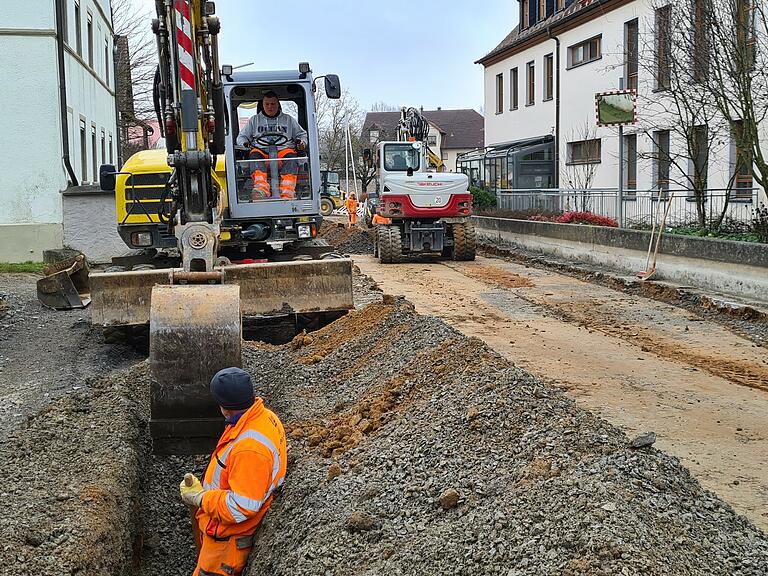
{"x":732,"y":268}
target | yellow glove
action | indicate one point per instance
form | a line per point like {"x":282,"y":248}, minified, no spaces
{"x":191,"y":490}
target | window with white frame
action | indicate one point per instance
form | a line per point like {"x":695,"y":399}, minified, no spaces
{"x":585,"y":52}
{"x":530,"y":81}
{"x":499,"y":93}
{"x":513,"y":89}
{"x":584,"y":151}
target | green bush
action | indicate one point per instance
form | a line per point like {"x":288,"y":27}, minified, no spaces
{"x":482,"y":199}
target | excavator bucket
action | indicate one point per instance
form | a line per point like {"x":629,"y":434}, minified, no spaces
{"x":65,"y":285}
{"x":194,"y":331}
{"x":269,"y":289}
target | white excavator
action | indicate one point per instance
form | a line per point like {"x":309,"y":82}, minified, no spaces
{"x":210,"y":253}
{"x":429,"y":211}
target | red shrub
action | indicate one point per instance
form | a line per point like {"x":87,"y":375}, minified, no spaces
{"x":586,"y":218}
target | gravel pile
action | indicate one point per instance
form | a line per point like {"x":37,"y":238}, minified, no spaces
{"x":347,"y":241}
{"x":70,"y":482}
{"x":415,"y":450}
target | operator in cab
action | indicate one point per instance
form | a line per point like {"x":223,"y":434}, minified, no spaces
{"x":272,"y":130}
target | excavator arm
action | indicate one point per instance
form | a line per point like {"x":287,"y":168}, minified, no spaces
{"x":191,"y":106}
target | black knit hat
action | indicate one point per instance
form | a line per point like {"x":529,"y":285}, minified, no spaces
{"x":232,"y":389}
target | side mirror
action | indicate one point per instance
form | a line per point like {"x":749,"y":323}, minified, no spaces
{"x":107,"y":173}
{"x":332,"y":86}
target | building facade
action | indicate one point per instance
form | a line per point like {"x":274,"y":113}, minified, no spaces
{"x":60,"y":136}
{"x":540,"y":86}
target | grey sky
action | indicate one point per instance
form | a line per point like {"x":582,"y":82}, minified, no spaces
{"x":398,"y":51}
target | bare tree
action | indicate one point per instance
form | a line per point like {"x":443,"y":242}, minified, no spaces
{"x":678,"y":117}
{"x":136,"y":61}
{"x":579,"y":170}
{"x":382,"y":106}
{"x":737,"y":79}
{"x":333,"y":116}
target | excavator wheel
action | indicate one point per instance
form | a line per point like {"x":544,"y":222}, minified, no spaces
{"x":464,"y":241}
{"x":390,"y":244}
{"x":326,"y":206}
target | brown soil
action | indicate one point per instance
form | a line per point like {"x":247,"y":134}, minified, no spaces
{"x":642,"y":364}
{"x":345,"y":429}
{"x":496,"y":277}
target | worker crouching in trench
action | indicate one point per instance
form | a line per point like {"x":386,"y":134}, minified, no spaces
{"x":246,"y":467}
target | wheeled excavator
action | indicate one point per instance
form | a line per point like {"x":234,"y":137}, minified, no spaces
{"x":429,"y":211}
{"x":211,"y":254}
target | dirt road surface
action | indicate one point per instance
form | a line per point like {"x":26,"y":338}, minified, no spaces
{"x":642,"y":364}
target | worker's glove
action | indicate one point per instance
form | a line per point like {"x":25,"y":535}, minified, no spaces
{"x":191,"y":490}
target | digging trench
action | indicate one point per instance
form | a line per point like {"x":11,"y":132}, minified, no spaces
{"x":412,"y":450}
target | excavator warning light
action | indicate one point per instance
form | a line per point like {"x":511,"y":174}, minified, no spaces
{"x":411,"y":139}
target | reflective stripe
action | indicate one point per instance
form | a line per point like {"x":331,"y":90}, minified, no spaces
{"x":233,"y":499}
{"x":236,"y":514}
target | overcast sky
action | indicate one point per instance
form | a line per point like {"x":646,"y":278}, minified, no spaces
{"x":402,"y":52}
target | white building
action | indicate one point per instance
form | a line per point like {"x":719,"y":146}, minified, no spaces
{"x":44,"y":45}
{"x":540,"y":86}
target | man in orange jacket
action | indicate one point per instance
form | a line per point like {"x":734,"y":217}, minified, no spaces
{"x":246,"y":467}
{"x":351,"y":205}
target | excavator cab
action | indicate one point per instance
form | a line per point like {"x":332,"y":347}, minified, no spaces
{"x":272,"y":177}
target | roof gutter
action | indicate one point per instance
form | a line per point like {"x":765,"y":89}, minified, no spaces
{"x":573,"y":19}
{"x":60,"y":7}
{"x":557,"y":105}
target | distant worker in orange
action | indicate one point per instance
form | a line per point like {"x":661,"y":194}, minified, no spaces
{"x":351,"y":205}
{"x":379,"y":219}
{"x":246,"y":467}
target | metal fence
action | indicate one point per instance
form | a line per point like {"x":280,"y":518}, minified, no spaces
{"x":638,"y":208}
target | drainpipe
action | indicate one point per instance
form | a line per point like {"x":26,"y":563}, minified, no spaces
{"x":60,"y":7}
{"x":116,"y":80}
{"x":557,"y":105}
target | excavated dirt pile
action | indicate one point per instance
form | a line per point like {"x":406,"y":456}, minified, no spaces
{"x":70,"y":481}
{"x":348,"y":241}
{"x":415,"y":450}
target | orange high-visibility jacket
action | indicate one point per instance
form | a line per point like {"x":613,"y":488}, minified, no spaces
{"x":351,"y":205}
{"x":378,"y":219}
{"x":246,"y":467}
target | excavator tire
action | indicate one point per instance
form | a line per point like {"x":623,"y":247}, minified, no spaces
{"x":390,"y":244}
{"x":464,"y":241}
{"x":326,"y":206}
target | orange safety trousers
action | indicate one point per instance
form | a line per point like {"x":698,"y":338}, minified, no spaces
{"x":286,"y":168}
{"x":223,"y":557}
{"x":352,"y":211}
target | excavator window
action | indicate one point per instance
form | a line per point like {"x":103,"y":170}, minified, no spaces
{"x":272,"y":168}
{"x":401,"y":157}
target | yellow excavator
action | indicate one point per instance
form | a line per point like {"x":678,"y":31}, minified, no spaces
{"x":207,"y":253}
